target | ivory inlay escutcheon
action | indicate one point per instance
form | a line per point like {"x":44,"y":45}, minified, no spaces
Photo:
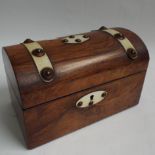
{"x":91,"y":99}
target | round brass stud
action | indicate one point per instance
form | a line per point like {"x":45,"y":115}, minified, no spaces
{"x":102,"y":28}
{"x":79,"y":104}
{"x":47,"y":73}
{"x":85,"y":36}
{"x":78,"y":40}
{"x":71,"y":36}
{"x":38,"y":52}
{"x":28,"y":41}
{"x":131,"y":53}
{"x":65,"y":40}
{"x":119,"y":36}
{"x":104,"y":94}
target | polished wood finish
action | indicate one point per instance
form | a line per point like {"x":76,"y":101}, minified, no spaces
{"x":48,"y":110}
{"x":90,"y":64}
{"x":59,"y":117}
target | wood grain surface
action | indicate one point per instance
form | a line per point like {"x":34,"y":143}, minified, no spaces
{"x":77,"y":66}
{"x":48,"y":110}
{"x":57,"y":118}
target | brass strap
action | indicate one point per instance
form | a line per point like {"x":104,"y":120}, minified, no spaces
{"x":126,"y":44}
{"x":42,"y":62}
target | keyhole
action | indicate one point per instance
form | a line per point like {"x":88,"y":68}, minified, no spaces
{"x":91,"y":100}
{"x":91,"y":97}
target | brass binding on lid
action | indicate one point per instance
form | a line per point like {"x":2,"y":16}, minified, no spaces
{"x":127,"y":45}
{"x":41,"y":60}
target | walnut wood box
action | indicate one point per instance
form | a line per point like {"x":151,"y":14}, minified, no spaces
{"x":58,"y":86}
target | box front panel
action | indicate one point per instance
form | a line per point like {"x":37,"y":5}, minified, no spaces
{"x":59,"y":117}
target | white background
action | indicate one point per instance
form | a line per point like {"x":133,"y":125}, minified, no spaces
{"x":131,"y":132}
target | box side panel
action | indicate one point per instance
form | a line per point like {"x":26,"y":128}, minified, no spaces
{"x":14,"y":92}
{"x":59,"y":117}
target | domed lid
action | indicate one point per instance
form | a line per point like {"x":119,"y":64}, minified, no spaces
{"x":74,"y":64}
